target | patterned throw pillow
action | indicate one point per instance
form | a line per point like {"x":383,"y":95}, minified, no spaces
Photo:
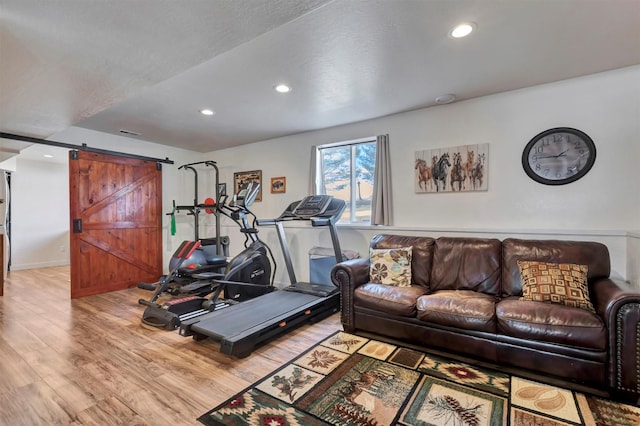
{"x":562,"y":283}
{"x":391,"y":266}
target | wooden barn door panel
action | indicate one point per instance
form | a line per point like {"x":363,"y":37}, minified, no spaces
{"x":116,"y":222}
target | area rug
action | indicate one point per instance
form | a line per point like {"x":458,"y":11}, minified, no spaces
{"x":351,"y":380}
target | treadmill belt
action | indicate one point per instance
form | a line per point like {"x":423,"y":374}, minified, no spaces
{"x":252,"y":313}
{"x":320,"y":290}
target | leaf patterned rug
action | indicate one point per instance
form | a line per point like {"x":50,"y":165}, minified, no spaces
{"x":351,"y":380}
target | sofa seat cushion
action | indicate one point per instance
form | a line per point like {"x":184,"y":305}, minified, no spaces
{"x":464,"y":309}
{"x":389,"y":299}
{"x":551,"y":323}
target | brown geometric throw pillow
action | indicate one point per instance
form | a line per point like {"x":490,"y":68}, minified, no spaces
{"x":562,"y":283}
{"x":391,"y":266}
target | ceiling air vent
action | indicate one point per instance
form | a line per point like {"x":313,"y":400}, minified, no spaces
{"x":127,"y":132}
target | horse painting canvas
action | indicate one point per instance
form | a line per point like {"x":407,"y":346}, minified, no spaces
{"x":456,"y":169}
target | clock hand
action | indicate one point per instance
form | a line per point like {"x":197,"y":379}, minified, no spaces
{"x":562,"y":154}
{"x":549,"y":156}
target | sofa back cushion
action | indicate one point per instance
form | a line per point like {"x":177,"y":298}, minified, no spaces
{"x":467,"y":264}
{"x":594,"y":255}
{"x":422,"y":254}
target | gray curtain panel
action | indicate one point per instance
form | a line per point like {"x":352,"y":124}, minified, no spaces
{"x":381,"y":203}
{"x":313,"y":170}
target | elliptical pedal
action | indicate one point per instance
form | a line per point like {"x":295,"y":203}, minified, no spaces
{"x":199,"y":312}
{"x":172,"y":313}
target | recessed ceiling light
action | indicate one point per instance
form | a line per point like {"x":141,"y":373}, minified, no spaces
{"x":462,"y":30}
{"x":282,"y":88}
{"x":207,"y":111}
{"x":445,"y":99}
{"x":48,"y":156}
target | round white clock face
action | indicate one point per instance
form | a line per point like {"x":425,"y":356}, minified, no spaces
{"x":558,"y":156}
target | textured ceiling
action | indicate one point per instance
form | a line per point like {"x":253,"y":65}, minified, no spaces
{"x":149,"y":66}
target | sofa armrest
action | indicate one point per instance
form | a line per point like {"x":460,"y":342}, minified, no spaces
{"x":347,"y":276}
{"x":619,"y":306}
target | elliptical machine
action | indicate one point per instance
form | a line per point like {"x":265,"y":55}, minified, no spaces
{"x":247,"y":275}
{"x":253,"y":264}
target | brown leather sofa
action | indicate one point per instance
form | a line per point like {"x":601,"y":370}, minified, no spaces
{"x":464,"y":299}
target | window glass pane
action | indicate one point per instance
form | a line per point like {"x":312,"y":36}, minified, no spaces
{"x":346,"y":172}
{"x":365,"y":166}
{"x":336,"y":179}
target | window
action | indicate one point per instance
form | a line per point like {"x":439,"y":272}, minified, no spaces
{"x":346,"y":172}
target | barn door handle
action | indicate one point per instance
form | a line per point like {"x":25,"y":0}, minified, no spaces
{"x":77,"y":226}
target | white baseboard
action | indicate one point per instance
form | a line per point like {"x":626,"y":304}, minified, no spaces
{"x":19,"y":267}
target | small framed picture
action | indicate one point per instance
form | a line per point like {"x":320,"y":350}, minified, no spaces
{"x":278,"y":185}
{"x":242,"y":178}
{"x":222,"y":189}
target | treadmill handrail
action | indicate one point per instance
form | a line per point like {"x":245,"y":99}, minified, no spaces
{"x":329,"y":218}
{"x":240,"y":283}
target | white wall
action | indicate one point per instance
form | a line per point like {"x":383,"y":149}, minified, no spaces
{"x":40,"y":214}
{"x":602,"y":206}
{"x":633,"y":254}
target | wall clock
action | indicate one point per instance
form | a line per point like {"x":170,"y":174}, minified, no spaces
{"x":559,"y":156}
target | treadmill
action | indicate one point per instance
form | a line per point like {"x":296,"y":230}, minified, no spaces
{"x":240,"y":328}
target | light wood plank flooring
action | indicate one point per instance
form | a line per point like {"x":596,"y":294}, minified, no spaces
{"x":90,"y":361}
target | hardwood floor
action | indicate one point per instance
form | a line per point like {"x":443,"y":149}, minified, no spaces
{"x":90,"y":361}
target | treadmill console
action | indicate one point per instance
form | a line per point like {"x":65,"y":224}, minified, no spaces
{"x":313,"y":205}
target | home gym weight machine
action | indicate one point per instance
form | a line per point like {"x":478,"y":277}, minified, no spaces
{"x":212,"y":253}
{"x":239,"y":328}
{"x":191,"y":257}
{"x":212,"y":260}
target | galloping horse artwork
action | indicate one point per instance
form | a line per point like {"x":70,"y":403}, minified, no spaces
{"x":456,"y":169}
{"x":458,"y":174}
{"x":440,"y":171}
{"x":424,"y":174}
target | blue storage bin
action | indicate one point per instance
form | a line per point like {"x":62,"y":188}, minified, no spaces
{"x":321,"y":260}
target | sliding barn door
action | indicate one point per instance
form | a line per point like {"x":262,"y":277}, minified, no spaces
{"x":116,"y":220}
